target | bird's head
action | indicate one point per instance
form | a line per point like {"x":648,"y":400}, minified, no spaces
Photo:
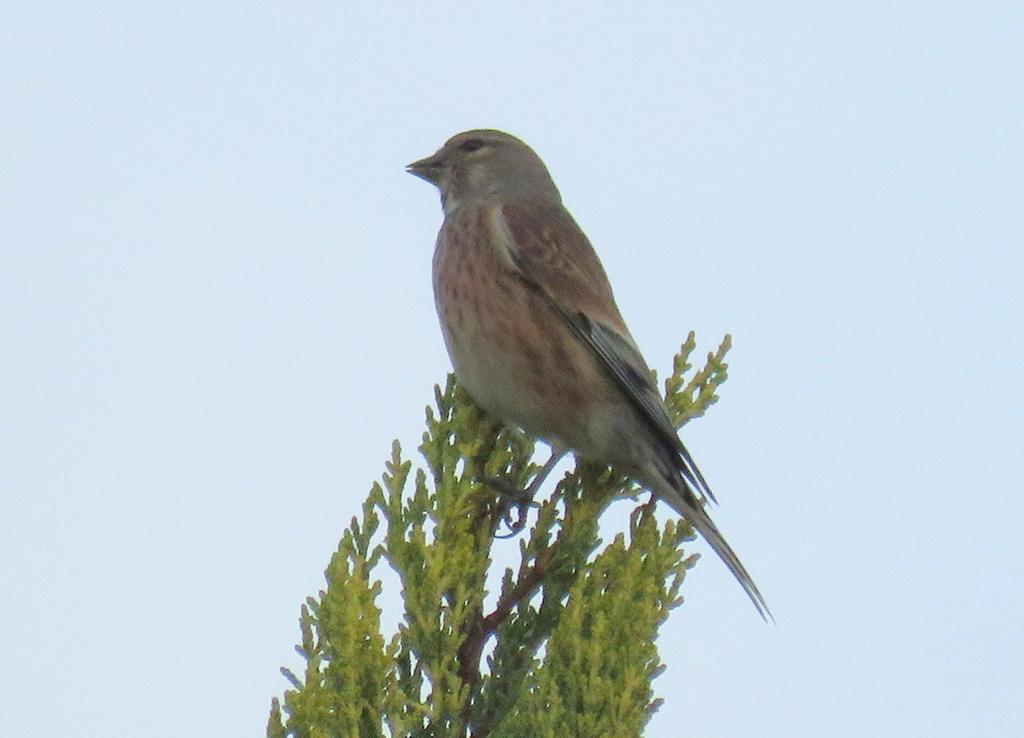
{"x":486,"y":163}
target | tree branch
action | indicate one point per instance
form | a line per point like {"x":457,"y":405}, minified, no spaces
{"x":484,"y":627}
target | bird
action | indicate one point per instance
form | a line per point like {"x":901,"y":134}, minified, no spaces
{"x":534,"y":333}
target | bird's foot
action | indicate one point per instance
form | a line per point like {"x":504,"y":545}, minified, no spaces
{"x":520,"y":500}
{"x":515,"y":501}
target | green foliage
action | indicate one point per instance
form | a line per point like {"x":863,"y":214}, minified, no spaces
{"x":572,"y":630}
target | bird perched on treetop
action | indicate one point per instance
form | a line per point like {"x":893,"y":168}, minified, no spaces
{"x":533,"y":330}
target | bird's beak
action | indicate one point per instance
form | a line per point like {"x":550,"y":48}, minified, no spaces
{"x":428,"y":169}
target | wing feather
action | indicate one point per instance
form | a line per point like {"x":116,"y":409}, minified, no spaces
{"x":555,"y":258}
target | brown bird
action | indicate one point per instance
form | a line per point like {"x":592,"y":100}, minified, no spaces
{"x":534,"y":333}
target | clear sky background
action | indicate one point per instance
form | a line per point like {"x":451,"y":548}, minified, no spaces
{"x":216,"y":314}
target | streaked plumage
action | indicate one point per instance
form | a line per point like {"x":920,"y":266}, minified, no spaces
{"x":533,"y":330}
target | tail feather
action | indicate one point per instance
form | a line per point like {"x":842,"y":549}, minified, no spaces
{"x":686,"y":504}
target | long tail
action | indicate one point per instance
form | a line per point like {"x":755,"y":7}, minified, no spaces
{"x":684,"y":502}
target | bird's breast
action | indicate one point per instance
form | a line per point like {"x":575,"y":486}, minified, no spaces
{"x":509,"y":350}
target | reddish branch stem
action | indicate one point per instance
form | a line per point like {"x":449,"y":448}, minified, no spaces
{"x":484,"y":627}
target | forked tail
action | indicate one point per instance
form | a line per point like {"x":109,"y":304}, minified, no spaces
{"x":686,"y":504}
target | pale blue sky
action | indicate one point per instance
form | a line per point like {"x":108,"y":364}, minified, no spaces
{"x":216,"y":314}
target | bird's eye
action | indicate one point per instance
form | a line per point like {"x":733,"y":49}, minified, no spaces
{"x":473,"y":144}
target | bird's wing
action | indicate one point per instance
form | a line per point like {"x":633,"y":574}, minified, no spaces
{"x":554,"y":257}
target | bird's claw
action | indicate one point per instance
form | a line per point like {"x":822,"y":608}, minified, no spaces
{"x":514,"y":498}
{"x":521,"y":498}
